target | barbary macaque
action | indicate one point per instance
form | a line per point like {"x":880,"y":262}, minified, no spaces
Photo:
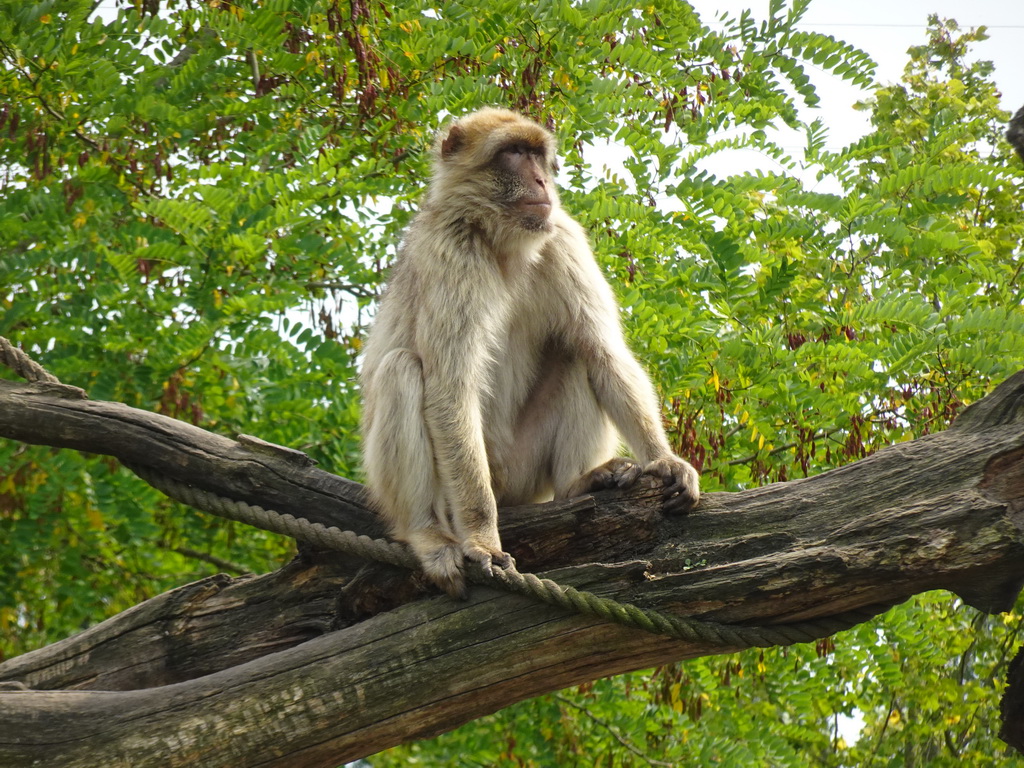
{"x":496,"y":371}
{"x":1015,"y":133}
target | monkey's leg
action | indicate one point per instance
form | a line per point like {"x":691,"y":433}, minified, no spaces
{"x":625,"y":392}
{"x":399,"y":461}
{"x":567,"y":434}
{"x":585,"y":442}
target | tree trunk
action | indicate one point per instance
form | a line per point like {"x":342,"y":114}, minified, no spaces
{"x":321,"y":662}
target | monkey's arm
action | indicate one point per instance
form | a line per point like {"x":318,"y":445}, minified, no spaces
{"x":625,"y":392}
{"x":452,"y":336}
{"x":627,"y":396}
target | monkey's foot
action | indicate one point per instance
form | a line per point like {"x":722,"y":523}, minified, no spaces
{"x":619,"y":472}
{"x":441,"y":560}
{"x":682,"y":483}
{"x":487,"y":556}
{"x":444,"y":569}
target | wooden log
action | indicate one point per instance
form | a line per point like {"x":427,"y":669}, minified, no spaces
{"x":350,"y":676}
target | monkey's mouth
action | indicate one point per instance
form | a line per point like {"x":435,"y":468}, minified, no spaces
{"x":539,"y":208}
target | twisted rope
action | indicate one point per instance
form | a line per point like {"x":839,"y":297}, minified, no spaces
{"x":22,"y":364}
{"x":526,"y":584}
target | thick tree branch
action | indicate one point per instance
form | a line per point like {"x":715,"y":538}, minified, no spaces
{"x":256,"y":661}
{"x":247,"y":469}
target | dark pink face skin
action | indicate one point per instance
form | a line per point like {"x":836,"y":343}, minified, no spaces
{"x":524,"y":183}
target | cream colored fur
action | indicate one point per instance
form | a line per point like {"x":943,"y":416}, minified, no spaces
{"x":496,"y":372}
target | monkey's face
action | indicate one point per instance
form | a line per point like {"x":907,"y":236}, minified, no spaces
{"x":523,"y":184}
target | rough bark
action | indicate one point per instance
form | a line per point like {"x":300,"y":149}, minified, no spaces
{"x":320,"y":663}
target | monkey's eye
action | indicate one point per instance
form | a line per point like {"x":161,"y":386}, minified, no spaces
{"x":523,"y":149}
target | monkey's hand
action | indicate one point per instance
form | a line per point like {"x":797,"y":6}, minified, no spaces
{"x":443,"y":559}
{"x":444,"y":565}
{"x":682,"y":483}
{"x":487,"y":551}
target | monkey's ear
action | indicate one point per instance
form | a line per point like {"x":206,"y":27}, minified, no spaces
{"x":453,"y":142}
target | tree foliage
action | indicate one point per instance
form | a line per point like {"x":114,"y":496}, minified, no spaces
{"x":199,"y":202}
